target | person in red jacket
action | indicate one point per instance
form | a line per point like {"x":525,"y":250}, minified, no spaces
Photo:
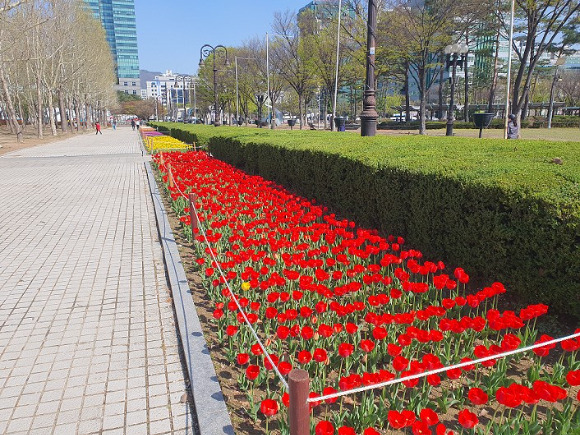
{"x":98,"y":127}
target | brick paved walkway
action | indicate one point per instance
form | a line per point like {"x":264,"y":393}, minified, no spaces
{"x":87,"y":336}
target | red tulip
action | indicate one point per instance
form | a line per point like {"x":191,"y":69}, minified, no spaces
{"x":351,"y":328}
{"x":442,"y":430}
{"x":346,"y":430}
{"x":434,"y":380}
{"x":345,"y":349}
{"x":508,"y":397}
{"x":400,"y":363}
{"x":267,"y":363}
{"x":269,"y":407}
{"x":286,"y":399}
{"x":393,"y":349}
{"x":429,"y":416}
{"x":304,"y":357}
{"x":573,"y":378}
{"x":467,"y":419}
{"x":550,"y":393}
{"x":231,"y":330}
{"x":379,"y":333}
{"x":396,"y":419}
{"x":371,"y":431}
{"x":320,"y":355}
{"x":324,"y":428}
{"x":367,"y":345}
{"x":544,"y":350}
{"x":285,"y":368}
{"x":327,"y":391}
{"x":477,"y":396}
{"x":243,"y":358}
{"x":420,"y":428}
{"x":256,"y":349}
{"x":252,"y":372}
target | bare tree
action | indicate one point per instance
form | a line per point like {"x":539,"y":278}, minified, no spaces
{"x":540,"y":22}
{"x":289,"y":58}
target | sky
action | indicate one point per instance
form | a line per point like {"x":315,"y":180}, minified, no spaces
{"x":170,"y":33}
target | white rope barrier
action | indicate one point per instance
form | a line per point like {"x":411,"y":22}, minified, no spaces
{"x":253,"y":331}
{"x":444,"y":369}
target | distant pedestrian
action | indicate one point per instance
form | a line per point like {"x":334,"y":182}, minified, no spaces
{"x":137,"y":123}
{"x":98,"y":128}
{"x":513,"y":130}
{"x":133,"y":124}
{"x":114,"y":124}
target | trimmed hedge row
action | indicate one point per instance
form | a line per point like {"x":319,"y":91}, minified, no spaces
{"x":500,"y":209}
{"x":436,"y":125}
{"x":497,"y":123}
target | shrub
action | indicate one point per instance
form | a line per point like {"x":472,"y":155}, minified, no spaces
{"x":501,"y":212}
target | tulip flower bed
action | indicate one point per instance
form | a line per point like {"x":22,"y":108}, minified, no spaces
{"x":155,"y":141}
{"x":353,"y":309}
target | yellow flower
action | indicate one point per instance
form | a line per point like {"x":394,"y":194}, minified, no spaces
{"x":245,"y":286}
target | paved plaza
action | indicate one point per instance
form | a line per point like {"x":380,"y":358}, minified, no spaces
{"x":88,"y":341}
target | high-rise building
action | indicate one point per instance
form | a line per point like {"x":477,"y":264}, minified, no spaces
{"x":118,"y":20}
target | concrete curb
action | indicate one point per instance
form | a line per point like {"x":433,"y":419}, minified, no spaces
{"x":210,"y":407}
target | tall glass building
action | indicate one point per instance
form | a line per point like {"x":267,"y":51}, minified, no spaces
{"x":118,"y":20}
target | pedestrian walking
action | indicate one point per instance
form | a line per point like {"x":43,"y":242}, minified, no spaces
{"x":98,"y":128}
{"x":137,"y":123}
{"x":513,"y":130}
{"x":133,"y":124}
{"x":114,"y":124}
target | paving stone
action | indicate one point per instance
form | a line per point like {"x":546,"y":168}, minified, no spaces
{"x":83,"y":291}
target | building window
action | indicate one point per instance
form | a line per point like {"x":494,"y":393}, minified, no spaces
{"x":133,"y":83}
{"x":134,"y":92}
{"x":125,"y":83}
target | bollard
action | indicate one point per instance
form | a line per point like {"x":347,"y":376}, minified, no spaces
{"x":193,"y":216}
{"x":299,"y":411}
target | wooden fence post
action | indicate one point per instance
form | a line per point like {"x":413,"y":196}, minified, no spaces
{"x":299,"y":410}
{"x":170,"y":176}
{"x":193,"y":216}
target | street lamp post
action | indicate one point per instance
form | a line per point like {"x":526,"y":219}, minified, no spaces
{"x":456,"y":55}
{"x":204,"y":53}
{"x":369,"y":114}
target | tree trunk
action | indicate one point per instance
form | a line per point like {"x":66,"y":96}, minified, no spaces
{"x":21,"y":111}
{"x":301,"y":110}
{"x":440,"y":92}
{"x":12,"y":116}
{"x":86,"y":114}
{"x":71,"y":115}
{"x":51,"y":113}
{"x":62,"y":111}
{"x":466,"y":76}
{"x":423,"y":104}
{"x":273,"y":116}
{"x":493,"y":86}
{"x":407,"y":97}
{"x":39,"y":106}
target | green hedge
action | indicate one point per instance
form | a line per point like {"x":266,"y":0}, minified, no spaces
{"x":496,"y":123}
{"x":501,"y":209}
